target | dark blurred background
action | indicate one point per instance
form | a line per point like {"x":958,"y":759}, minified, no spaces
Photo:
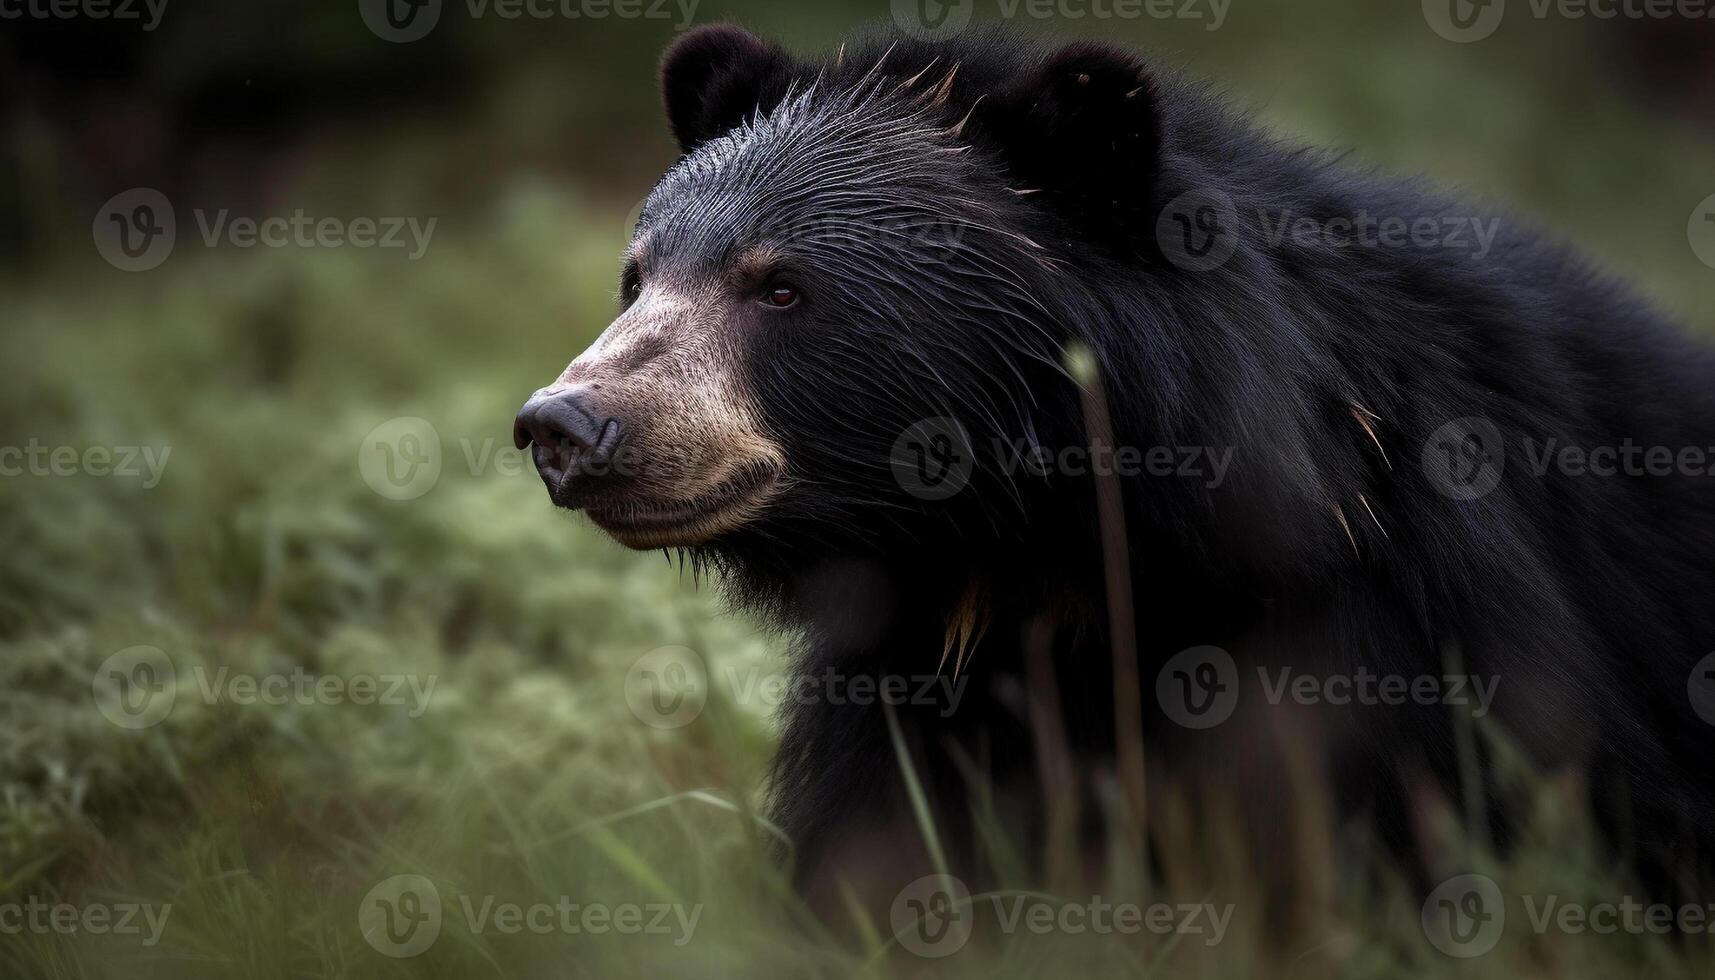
{"x":241,"y":103}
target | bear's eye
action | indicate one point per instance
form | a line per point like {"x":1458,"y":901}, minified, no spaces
{"x":781,"y":296}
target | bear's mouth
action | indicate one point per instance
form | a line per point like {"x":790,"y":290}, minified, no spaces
{"x":733,"y":502}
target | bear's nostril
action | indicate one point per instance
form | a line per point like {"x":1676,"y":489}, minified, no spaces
{"x":572,"y":440}
{"x":602,"y":452}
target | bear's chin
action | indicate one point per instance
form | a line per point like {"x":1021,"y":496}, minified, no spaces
{"x":645,"y":525}
{"x":652,"y":533}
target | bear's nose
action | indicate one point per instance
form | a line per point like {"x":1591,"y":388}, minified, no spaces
{"x":572,"y":438}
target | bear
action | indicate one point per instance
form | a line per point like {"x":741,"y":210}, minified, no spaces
{"x":1230,"y":483}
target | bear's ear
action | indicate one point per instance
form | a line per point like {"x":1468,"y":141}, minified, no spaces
{"x":714,"y":77}
{"x":1084,"y":131}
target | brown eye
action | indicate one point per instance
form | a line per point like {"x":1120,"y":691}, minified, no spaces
{"x":781,"y":297}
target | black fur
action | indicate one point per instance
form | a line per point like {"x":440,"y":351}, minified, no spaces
{"x":934,"y":288}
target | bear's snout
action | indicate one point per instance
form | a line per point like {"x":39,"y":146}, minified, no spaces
{"x":574,"y":441}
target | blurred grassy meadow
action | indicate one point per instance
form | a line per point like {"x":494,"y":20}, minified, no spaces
{"x":277,"y":543}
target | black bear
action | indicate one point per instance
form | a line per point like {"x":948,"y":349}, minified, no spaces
{"x":1217,"y":472}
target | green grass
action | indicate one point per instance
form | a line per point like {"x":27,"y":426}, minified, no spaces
{"x":264,"y":548}
{"x":527,"y":777}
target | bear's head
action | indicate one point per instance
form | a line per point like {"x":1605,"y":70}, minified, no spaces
{"x":844,"y":313}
